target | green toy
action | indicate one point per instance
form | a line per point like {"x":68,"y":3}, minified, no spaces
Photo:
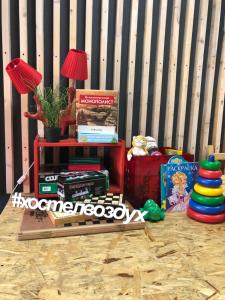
{"x":155,"y":213}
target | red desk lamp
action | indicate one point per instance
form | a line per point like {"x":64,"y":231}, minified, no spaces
{"x":25,"y":79}
{"x":75,"y":68}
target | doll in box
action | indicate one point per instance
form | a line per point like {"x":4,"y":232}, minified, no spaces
{"x":139,"y":147}
{"x":152,"y":146}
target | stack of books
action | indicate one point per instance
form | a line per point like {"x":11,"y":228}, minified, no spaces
{"x":84,"y":164}
{"x":97,"y":134}
{"x":97,"y":116}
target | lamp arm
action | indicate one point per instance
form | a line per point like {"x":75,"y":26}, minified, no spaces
{"x":66,"y":118}
{"x":39,"y":115}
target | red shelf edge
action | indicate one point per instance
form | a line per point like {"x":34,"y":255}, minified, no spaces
{"x":70,"y":142}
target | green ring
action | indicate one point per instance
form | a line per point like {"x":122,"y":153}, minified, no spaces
{"x":211,"y":201}
{"x":210,"y":165}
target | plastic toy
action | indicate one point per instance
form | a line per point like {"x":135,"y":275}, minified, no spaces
{"x":211,"y":164}
{"x":210,"y":174}
{"x":156,"y":153}
{"x":173,"y":152}
{"x":151,"y":144}
{"x":213,"y":219}
{"x":139,"y":147}
{"x":155,"y":213}
{"x":207,"y":202}
{"x":209,"y":210}
{"x":214,"y":183}
{"x":207,"y":191}
{"x":211,"y":201}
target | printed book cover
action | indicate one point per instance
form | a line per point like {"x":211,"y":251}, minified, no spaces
{"x":180,"y":178}
{"x":97,"y":108}
{"x":163,"y":186}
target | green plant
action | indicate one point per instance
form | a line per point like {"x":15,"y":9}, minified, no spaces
{"x":52,"y":101}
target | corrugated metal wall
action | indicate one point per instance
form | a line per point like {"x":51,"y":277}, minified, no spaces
{"x":166,"y":57}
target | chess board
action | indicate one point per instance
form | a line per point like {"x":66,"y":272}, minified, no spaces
{"x":109,"y":199}
{"x":61,"y":218}
{"x":38,"y":225}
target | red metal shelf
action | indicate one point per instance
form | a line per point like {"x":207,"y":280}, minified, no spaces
{"x":41,"y":142}
{"x":116,"y":157}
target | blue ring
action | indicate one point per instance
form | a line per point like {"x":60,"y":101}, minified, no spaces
{"x":209,"y":182}
{"x":208,"y":210}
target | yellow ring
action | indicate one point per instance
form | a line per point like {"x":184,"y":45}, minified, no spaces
{"x":206,"y":191}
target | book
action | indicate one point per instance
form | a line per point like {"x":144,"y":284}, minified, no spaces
{"x":84,"y":167}
{"x":85,"y":160}
{"x":97,"y":137}
{"x":180,"y":178}
{"x":163,"y":186}
{"x":97,"y":108}
{"x":96,"y":129}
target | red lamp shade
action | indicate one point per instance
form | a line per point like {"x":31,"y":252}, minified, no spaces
{"x":24,"y":77}
{"x":75,"y":65}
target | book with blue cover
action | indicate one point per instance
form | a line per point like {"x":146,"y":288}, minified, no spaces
{"x":179,"y":176}
{"x":163,"y":186}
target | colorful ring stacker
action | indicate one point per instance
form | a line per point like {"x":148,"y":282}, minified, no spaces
{"x":205,"y":200}
{"x":211,"y":164}
{"x":206,"y":191}
{"x":208,"y":210}
{"x":209,"y":182}
{"x":210,"y":174}
{"x":213,"y":219}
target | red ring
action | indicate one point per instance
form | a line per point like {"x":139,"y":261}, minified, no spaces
{"x":212,"y":219}
{"x":210,"y":174}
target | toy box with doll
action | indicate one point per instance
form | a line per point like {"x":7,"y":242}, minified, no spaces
{"x":143,"y":172}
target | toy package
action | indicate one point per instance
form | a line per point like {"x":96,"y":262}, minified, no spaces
{"x":79,"y":185}
{"x":47,"y":178}
{"x":177,"y":180}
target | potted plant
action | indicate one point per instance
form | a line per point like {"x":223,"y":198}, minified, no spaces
{"x":52,"y":102}
{"x":54,"y":110}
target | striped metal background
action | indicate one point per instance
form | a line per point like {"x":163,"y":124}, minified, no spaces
{"x":166,"y":57}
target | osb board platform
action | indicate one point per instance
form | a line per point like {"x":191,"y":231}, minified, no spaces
{"x":38,"y":225}
{"x":174,"y":259}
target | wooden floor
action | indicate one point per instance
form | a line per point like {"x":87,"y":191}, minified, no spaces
{"x":174,"y":259}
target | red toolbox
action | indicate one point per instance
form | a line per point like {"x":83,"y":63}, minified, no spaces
{"x":142,"y":180}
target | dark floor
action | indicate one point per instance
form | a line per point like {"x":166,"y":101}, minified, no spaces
{"x":3,"y":201}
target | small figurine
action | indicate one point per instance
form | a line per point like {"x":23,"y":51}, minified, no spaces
{"x":152,"y":146}
{"x":139,"y":147}
{"x":155,"y":213}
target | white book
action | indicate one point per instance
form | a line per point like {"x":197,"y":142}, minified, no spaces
{"x":96,"y":129}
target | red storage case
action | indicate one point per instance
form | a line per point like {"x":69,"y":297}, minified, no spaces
{"x":143,"y":177}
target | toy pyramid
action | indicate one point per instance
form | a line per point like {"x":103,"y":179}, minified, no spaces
{"x":207,"y":203}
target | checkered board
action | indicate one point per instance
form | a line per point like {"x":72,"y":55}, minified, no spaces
{"x":110,"y":199}
{"x":41,"y":228}
{"x":96,"y":221}
{"x":107,"y":200}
